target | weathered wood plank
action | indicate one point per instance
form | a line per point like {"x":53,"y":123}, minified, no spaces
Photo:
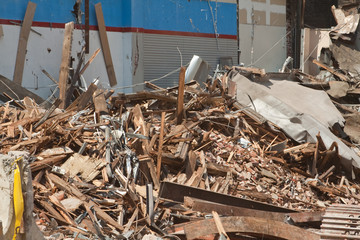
{"x":23,"y":40}
{"x":105,"y":45}
{"x":65,"y":60}
{"x":161,"y":141}
{"x":18,"y":92}
{"x":100,"y":102}
{"x":1,"y":35}
{"x":180,"y":99}
{"x":87,"y":27}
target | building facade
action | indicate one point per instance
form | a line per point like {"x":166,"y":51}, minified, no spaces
{"x":147,"y":38}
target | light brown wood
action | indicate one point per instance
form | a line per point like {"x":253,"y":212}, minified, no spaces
{"x":84,"y":99}
{"x":65,"y":60}
{"x":23,"y":40}
{"x":18,"y":92}
{"x":180,"y":99}
{"x":87,"y":64}
{"x":253,"y":70}
{"x":161,"y":141}
{"x":338,"y":74}
{"x":100,"y":102}
{"x":139,"y":122}
{"x":52,"y":211}
{"x":105,"y":45}
{"x":49,"y":76}
{"x":219,"y":225}
{"x":104,"y":216}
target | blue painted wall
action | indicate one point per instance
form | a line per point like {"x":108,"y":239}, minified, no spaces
{"x":169,"y":15}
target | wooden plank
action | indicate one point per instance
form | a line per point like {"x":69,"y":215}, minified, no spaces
{"x":52,"y":211}
{"x":61,"y":184}
{"x":227,"y":210}
{"x":161,"y":141}
{"x":87,"y":27}
{"x":105,"y":45}
{"x":338,"y":74}
{"x":75,"y":78}
{"x":100,"y":102}
{"x":103,"y":215}
{"x":49,"y":76}
{"x":180,"y":99}
{"x":23,"y":40}
{"x":1,"y":35}
{"x":49,"y":161}
{"x":139,"y":121}
{"x":190,"y":164}
{"x":144,"y":95}
{"x":48,"y":113}
{"x":87,"y":64}
{"x":313,"y":170}
{"x":219,"y":225}
{"x":264,"y":228}
{"x":86,"y":96}
{"x":258,"y":71}
{"x":65,"y":60}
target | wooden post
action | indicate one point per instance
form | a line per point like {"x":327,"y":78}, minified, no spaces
{"x":105,"y":45}
{"x":65,"y":60}
{"x":24,"y":36}
{"x":161,"y":141}
{"x":180,"y":99}
{"x":87,"y":28}
{"x":1,"y":31}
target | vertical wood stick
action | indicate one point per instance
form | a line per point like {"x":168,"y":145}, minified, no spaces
{"x":65,"y":60}
{"x":180,"y":99}
{"x":105,"y":45}
{"x":87,"y":27}
{"x":23,"y":39}
{"x":161,"y":140}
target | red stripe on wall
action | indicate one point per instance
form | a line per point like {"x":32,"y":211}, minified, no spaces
{"x":122,"y":29}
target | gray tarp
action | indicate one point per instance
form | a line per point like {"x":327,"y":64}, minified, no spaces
{"x":299,"y":111}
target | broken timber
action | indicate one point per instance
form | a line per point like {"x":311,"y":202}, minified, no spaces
{"x":105,"y":45}
{"x":65,"y":60}
{"x":23,"y":39}
{"x":257,"y":227}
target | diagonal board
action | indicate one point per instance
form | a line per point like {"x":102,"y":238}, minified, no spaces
{"x":65,"y":60}
{"x":18,"y":92}
{"x":105,"y":45}
{"x":23,"y":39}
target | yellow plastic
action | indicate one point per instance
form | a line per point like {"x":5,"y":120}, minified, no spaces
{"x":18,"y":199}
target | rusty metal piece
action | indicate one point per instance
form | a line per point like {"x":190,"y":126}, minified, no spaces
{"x":341,"y":222}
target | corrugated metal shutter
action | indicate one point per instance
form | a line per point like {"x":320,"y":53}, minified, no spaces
{"x":161,"y":55}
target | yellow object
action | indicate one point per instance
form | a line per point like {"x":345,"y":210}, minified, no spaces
{"x":18,"y":199}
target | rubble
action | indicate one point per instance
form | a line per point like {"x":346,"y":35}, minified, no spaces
{"x":242,"y":155}
{"x":127,"y":169}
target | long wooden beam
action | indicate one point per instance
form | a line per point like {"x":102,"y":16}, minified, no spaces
{"x":65,"y":60}
{"x":258,"y":227}
{"x":105,"y":45}
{"x":23,"y":40}
{"x":180,"y":98}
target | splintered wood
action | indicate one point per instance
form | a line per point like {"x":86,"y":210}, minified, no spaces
{"x":92,"y":165}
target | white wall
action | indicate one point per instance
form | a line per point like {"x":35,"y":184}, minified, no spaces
{"x":265,"y":37}
{"x":262,"y":32}
{"x":38,"y":57}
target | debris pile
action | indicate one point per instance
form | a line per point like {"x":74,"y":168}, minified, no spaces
{"x":244,"y":155}
{"x":157,"y":163}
